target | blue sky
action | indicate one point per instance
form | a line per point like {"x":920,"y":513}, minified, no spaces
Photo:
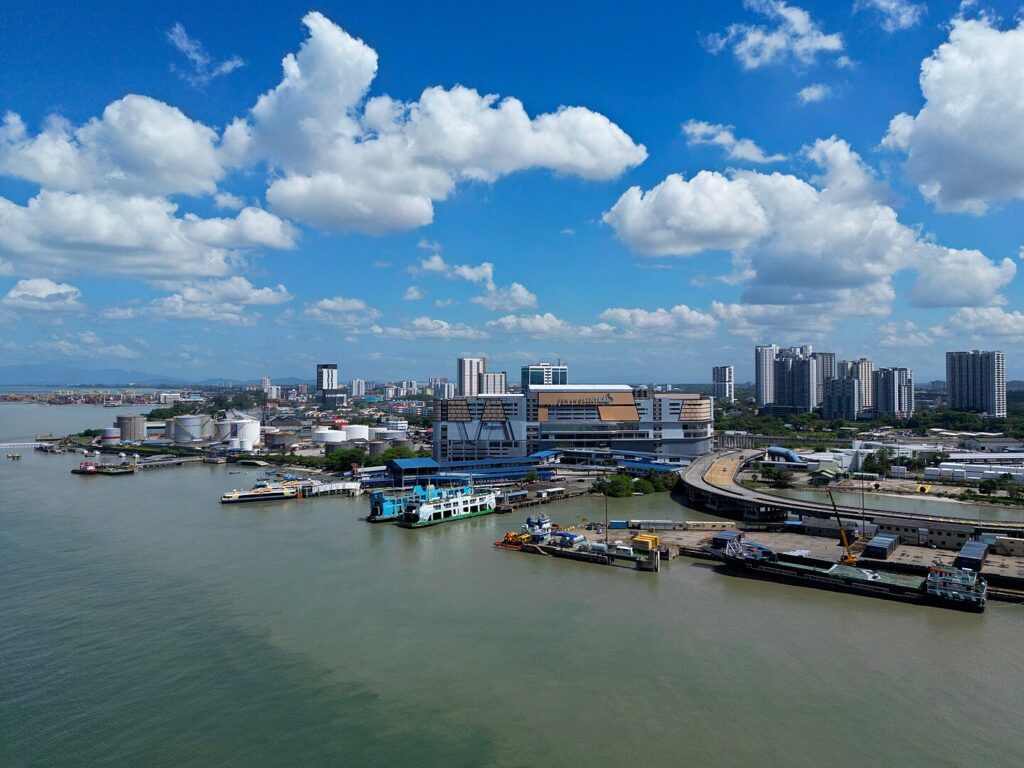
{"x":644,"y":191}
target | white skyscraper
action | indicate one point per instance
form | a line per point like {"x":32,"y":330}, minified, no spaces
{"x":722,"y":381}
{"x":468,"y":375}
{"x":357,"y":388}
{"x":764,"y":374}
{"x":491,"y":384}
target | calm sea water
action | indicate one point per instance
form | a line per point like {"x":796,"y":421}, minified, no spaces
{"x":142,"y":623}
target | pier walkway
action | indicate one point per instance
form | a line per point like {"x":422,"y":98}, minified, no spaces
{"x":710,"y":483}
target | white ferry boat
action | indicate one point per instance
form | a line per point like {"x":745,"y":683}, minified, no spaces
{"x":451,"y":504}
{"x":263,"y":491}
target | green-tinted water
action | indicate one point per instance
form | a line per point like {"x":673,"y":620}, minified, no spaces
{"x":142,"y":623}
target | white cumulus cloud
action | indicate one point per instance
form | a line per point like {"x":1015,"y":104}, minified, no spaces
{"x":814,"y":93}
{"x":130,"y":235}
{"x":829,"y":242}
{"x":377,"y":165}
{"x":700,"y":132}
{"x":793,"y":34}
{"x":965,"y":147}
{"x":41,"y":293}
{"x":680,"y":319}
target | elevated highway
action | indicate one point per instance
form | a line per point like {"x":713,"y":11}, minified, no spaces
{"x":710,"y":483}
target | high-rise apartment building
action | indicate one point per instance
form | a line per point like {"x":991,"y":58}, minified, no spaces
{"x":723,"y":385}
{"x":764,"y":374}
{"x":841,"y":399}
{"x":862,"y":370}
{"x":826,"y":370}
{"x":976,"y":381}
{"x":894,"y":392}
{"x":468,"y":375}
{"x":796,"y":382}
{"x":544,"y":373}
{"x":357,"y":388}
{"x":491,"y":383}
{"x":265,"y":385}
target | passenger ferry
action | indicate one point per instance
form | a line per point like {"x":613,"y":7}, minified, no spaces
{"x":263,"y":491}
{"x":391,"y":506}
{"x":451,"y":504}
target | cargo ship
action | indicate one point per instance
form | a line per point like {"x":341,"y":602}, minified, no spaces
{"x":944,"y":585}
{"x":262,"y":491}
{"x":449,"y":505}
{"x":391,"y":506}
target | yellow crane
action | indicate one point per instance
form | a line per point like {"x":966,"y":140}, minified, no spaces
{"x":848,"y":558}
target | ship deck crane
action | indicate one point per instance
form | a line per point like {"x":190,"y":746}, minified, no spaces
{"x":848,"y":558}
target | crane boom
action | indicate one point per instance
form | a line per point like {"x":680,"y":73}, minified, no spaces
{"x":848,"y":558}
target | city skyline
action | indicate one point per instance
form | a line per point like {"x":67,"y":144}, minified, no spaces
{"x":161,"y":212}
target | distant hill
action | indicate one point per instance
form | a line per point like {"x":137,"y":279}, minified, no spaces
{"x":44,"y":374}
{"x":56,"y":375}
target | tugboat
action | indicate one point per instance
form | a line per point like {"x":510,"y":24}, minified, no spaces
{"x":449,"y":505}
{"x":85,"y":468}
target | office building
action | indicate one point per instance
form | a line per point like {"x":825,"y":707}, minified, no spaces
{"x":976,"y":381}
{"x":468,"y":375}
{"x":357,"y":388}
{"x":593,"y":422}
{"x":327,"y":387}
{"x":764,"y":374}
{"x":265,"y":385}
{"x":491,"y":383}
{"x":544,"y":373}
{"x":723,"y":385}
{"x":326,"y":377}
{"x":894,"y":392}
{"x":841,"y":399}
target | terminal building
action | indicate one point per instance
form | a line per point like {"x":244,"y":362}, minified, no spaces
{"x":588,"y":423}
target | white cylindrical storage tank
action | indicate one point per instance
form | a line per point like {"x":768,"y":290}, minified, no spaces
{"x":324,"y":435}
{"x":223,"y":429}
{"x":188,"y":429}
{"x":245,"y":445}
{"x":233,"y":444}
{"x":110,"y":436}
{"x":357,"y":432}
{"x":247,"y":429}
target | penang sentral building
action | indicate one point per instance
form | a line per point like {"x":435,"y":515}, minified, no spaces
{"x":585,"y":421}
